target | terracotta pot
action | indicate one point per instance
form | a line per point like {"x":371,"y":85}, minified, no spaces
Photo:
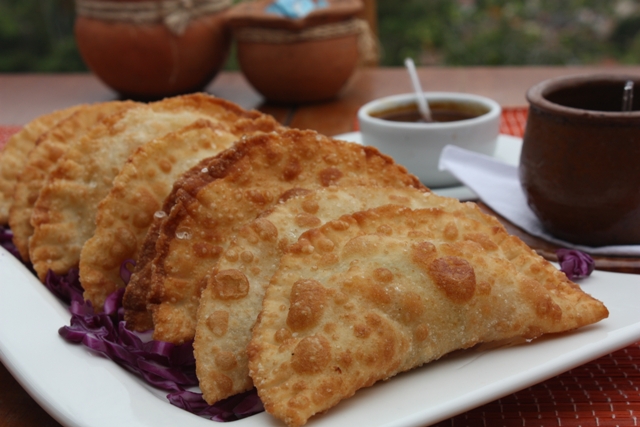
{"x":580,"y":162}
{"x":148,"y":61}
{"x":300,"y":72}
{"x":297,"y":60}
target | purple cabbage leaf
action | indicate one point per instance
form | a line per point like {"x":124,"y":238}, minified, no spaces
{"x":6,"y":241}
{"x":575,"y":264}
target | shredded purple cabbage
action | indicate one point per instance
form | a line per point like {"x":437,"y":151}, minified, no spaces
{"x":230,"y":409}
{"x":65,"y":286}
{"x":161,"y":364}
{"x":125,"y":272}
{"x":575,"y":264}
{"x":6,"y":241}
{"x":164,"y":365}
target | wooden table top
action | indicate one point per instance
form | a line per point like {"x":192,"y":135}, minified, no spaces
{"x":26,"y":96}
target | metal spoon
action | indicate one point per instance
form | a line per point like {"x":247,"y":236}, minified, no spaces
{"x":627,"y":96}
{"x":423,"y":106}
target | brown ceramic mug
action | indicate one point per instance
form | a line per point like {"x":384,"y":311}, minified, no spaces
{"x":580,"y":161}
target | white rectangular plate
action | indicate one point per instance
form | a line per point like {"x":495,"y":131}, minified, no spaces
{"x":81,"y":389}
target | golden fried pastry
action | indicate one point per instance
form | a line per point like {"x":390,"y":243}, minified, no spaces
{"x":224,"y":325}
{"x":42,"y":159}
{"x":379,"y":292}
{"x":135,"y":300}
{"x":211,"y":206}
{"x":14,"y":154}
{"x":64,"y":214}
{"x":138,"y":192}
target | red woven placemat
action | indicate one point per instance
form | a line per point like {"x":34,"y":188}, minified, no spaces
{"x":6,"y":132}
{"x":601,"y":393}
{"x":513,"y":121}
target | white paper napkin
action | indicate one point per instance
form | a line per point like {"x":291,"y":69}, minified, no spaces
{"x":497,"y":184}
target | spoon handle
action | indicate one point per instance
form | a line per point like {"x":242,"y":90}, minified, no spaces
{"x":627,"y":96}
{"x":423,"y":107}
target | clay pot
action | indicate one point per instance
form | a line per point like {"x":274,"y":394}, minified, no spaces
{"x":296,"y":61}
{"x":149,"y":61}
{"x":299,"y":72}
{"x":580,"y":162}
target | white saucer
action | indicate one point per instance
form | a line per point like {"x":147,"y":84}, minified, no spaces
{"x":507,"y":150}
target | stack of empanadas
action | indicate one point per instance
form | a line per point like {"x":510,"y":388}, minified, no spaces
{"x":301,"y":265}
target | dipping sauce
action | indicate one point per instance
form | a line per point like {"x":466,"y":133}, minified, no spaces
{"x":441,"y":111}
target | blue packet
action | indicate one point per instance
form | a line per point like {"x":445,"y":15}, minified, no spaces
{"x":295,"y":9}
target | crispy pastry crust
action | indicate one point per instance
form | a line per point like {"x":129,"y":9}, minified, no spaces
{"x":42,"y":159}
{"x":224,"y":325}
{"x":138,"y":191}
{"x":14,"y":154}
{"x":64,"y":214}
{"x":237,"y":185}
{"x":124,"y":216}
{"x":137,"y":316}
{"x":379,"y":292}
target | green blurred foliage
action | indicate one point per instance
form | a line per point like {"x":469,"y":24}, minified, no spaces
{"x":509,"y":32}
{"x":37,"y":35}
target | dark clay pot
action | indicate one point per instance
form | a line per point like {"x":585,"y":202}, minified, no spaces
{"x":580,"y":161}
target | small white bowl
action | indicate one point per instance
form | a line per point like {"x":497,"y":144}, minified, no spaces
{"x":417,"y":146}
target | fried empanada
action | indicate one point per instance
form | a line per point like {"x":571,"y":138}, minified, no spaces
{"x":224,"y":326}
{"x":14,"y":154}
{"x":211,"y":206}
{"x":138,"y":192}
{"x":42,"y":159}
{"x":379,"y":292}
{"x":64,"y":214}
{"x":136,"y":297}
